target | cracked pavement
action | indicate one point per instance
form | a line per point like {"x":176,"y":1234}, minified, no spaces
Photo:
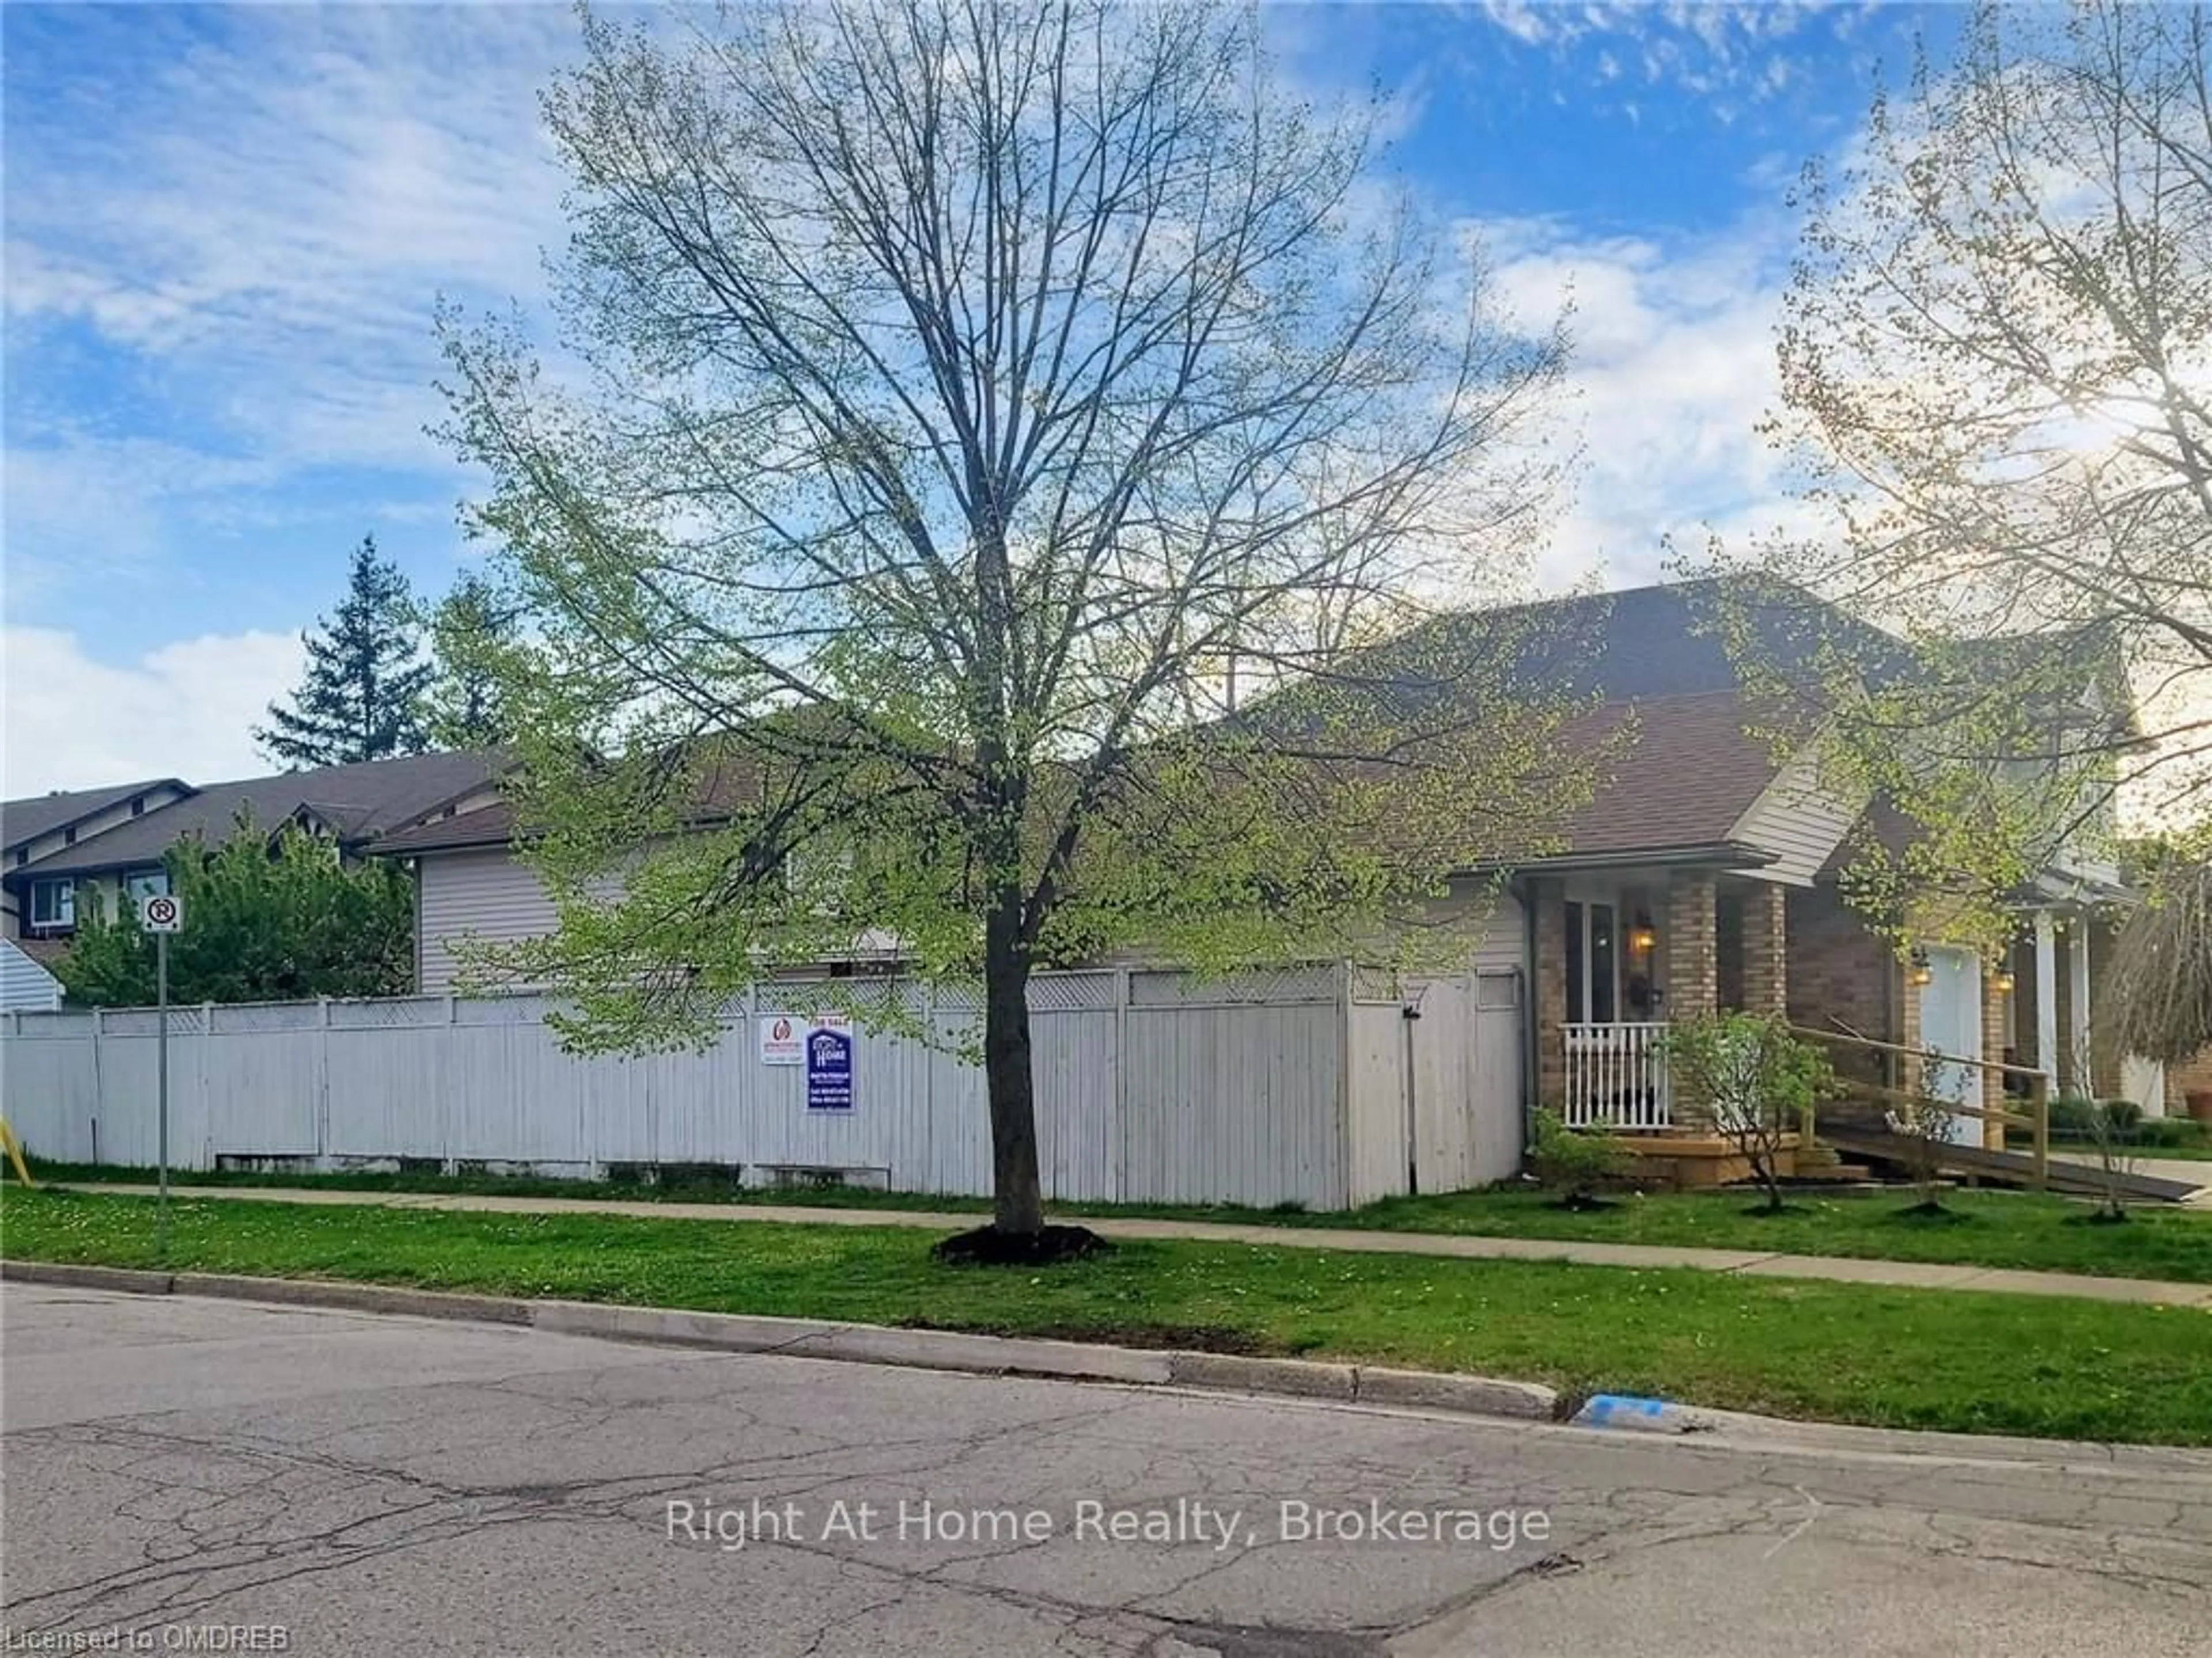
{"x":379,"y":1484}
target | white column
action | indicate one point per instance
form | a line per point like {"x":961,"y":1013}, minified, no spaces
{"x":2077,"y":967}
{"x":2047,"y":996}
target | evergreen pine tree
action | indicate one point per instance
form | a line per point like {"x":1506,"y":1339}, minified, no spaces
{"x":462,"y":710}
{"x":361,"y":697}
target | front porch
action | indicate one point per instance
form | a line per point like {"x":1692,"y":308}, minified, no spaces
{"x":1618,"y":957}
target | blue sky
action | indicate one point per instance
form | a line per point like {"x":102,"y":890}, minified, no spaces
{"x":226,"y":230}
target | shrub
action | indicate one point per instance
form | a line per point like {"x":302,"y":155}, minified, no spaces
{"x":1572,"y":1162}
{"x":1755,"y":1077}
{"x":2169,"y":1133}
{"x":2072,"y":1119}
{"x":1928,"y":1122}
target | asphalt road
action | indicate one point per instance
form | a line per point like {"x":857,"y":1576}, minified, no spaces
{"x":216,"y":1476}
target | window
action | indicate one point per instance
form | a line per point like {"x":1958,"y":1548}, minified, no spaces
{"x":140,"y":885}
{"x":53,"y":904}
{"x":1593,"y":964}
{"x":1605,"y":982}
{"x":1578,"y":957}
{"x":69,"y":836}
{"x":1728,"y":949}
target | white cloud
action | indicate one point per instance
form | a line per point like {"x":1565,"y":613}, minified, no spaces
{"x":87,"y":513}
{"x":1673,"y":368}
{"x":1711,"y":49}
{"x":256,"y":237}
{"x":185,"y":710}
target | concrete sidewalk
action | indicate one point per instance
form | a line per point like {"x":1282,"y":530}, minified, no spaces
{"x":1920,"y":1275}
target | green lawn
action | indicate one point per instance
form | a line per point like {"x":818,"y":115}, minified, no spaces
{"x":1982,"y":1229}
{"x":1844,"y":1352}
{"x":1986,"y":1229}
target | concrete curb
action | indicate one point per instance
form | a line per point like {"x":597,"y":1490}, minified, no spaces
{"x":865,"y":1344}
{"x":126,"y":1280}
{"x":861,"y":1343}
{"x":1476,"y":1395}
{"x":353,"y":1298}
{"x":1235,"y":1373}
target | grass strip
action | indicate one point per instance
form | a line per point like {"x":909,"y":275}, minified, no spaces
{"x":2014,"y":1229}
{"x":1894,"y":1358}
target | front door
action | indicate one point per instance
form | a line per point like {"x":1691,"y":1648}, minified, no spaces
{"x":1951,"y":1024}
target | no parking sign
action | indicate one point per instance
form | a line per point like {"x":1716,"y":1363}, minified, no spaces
{"x":162,"y":914}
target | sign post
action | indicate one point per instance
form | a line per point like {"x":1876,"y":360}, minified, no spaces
{"x":161,"y":915}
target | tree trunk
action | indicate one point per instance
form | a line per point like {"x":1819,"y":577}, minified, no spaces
{"x":1767,"y":1165}
{"x":1018,"y":1201}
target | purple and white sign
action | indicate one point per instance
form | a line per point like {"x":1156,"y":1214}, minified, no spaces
{"x":829,"y":1066}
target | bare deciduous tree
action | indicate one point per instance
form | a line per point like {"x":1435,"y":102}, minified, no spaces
{"x":2160,"y":992}
{"x":1997,"y":369}
{"x":1928,"y":1122}
{"x":1010,"y":422}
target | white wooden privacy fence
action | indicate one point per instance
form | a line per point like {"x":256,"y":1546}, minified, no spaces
{"x":1280,"y":1087}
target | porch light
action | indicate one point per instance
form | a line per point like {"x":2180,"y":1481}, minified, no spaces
{"x":1922,"y":972}
{"x":1643,"y":937}
{"x":2005,"y":981}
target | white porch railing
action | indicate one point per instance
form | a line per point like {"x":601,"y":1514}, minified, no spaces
{"x":1616,"y":1076}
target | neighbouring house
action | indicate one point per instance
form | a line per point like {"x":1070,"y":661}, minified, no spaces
{"x":24,"y":984}
{"x":1703,"y":876}
{"x":44,"y":825}
{"x":63,"y":853}
{"x":469,"y":887}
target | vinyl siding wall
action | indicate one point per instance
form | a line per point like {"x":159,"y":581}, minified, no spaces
{"x":485,"y":896}
{"x":1800,"y":820}
{"x":25,"y":984}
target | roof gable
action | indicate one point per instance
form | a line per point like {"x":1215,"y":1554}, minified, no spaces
{"x":357,"y":802}
{"x":26,"y":820}
{"x":1672,"y":640}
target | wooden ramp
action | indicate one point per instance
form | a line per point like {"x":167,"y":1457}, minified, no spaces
{"x":1872,"y":1140}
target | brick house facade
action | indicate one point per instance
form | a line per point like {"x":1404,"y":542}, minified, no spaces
{"x":1705,"y":877}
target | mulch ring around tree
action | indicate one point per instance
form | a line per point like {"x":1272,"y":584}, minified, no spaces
{"x":986,"y":1246}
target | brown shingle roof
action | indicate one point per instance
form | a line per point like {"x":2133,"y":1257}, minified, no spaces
{"x":487,"y":826}
{"x":41,"y":814}
{"x":1669,"y":640}
{"x":720,"y":777}
{"x":365,"y":798}
{"x":1690,"y":772}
